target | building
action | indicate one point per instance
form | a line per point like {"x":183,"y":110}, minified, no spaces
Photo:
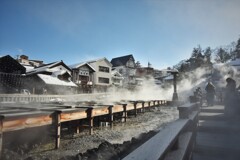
{"x":83,"y":75}
{"x":144,"y":73}
{"x":29,"y":64}
{"x":52,"y":78}
{"x":117,"y":79}
{"x":102,"y":76}
{"x":126,"y":66}
{"x":10,"y":75}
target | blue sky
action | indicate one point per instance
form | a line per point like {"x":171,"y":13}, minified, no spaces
{"x":162,"y":32}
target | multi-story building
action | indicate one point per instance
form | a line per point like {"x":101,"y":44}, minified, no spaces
{"x":102,"y":75}
{"x":82,"y":75}
{"x":126,"y":66}
{"x":117,"y":79}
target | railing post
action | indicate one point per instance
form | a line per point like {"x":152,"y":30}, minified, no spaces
{"x":135,"y":109}
{"x":58,"y":129}
{"x":110,"y":116}
{"x":90,"y":120}
{"x":1,"y":136}
{"x":125,"y":112}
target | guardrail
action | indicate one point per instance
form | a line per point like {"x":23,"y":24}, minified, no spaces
{"x":175,"y":141}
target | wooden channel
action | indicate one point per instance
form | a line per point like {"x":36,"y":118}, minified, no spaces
{"x":13,"y":118}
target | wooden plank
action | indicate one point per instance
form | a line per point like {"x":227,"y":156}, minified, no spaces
{"x":1,"y":136}
{"x":24,"y":114}
{"x":130,"y":107}
{"x":28,"y":122}
{"x":156,"y":147}
{"x":117,"y":108}
{"x":8,"y":111}
{"x":100,"y":111}
{"x":151,"y":104}
{"x":73,"y":116}
{"x":139,"y":106}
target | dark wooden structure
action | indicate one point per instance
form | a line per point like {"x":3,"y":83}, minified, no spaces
{"x":10,"y":75}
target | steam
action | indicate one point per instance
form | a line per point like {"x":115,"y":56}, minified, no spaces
{"x":185,"y":87}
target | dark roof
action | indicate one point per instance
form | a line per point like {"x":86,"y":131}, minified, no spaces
{"x":121,"y":61}
{"x":10,"y":65}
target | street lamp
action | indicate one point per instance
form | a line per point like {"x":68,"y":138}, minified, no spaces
{"x":174,"y":72}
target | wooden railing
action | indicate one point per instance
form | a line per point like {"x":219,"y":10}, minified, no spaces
{"x":47,"y":98}
{"x":173,"y":142}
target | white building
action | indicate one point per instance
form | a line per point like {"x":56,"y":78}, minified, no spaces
{"x":126,"y":66}
{"x":102,"y":77}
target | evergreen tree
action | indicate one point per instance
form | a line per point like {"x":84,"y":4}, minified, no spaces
{"x":207,"y":55}
{"x":237,"y":50}
{"x":197,"y":59}
{"x":222,"y":56}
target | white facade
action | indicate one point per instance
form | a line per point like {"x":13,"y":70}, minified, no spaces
{"x":117,"y":78}
{"x":102,"y":76}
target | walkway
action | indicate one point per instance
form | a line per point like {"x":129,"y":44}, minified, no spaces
{"x":217,"y":138}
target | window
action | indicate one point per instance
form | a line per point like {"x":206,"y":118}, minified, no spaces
{"x":103,"y":69}
{"x":103,"y":80}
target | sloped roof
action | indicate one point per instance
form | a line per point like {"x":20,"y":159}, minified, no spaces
{"x":121,"y":61}
{"x":100,"y":59}
{"x":48,"y":79}
{"x":45,"y":68}
{"x":115,"y":72}
{"x":235,"y":62}
{"x":10,"y":65}
{"x":78,"y":65}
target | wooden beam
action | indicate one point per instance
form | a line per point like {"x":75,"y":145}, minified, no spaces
{"x":135,"y":109}
{"x":1,"y":136}
{"x":110,"y":108}
{"x":90,"y":120}
{"x":125,"y":112}
{"x":58,"y":129}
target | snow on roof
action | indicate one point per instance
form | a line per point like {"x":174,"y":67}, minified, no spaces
{"x":100,"y":59}
{"x":55,"y":81}
{"x":28,"y":67}
{"x":77,"y":65}
{"x":42,"y":68}
{"x":170,"y":77}
{"x":235,"y":62}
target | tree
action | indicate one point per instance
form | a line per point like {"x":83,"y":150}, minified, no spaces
{"x":138,"y":64}
{"x":222,"y":56}
{"x":197,"y":52}
{"x":197,"y":59}
{"x":236,"y":52}
{"x":207,"y":55}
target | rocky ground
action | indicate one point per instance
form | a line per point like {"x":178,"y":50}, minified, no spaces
{"x":104,"y":144}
